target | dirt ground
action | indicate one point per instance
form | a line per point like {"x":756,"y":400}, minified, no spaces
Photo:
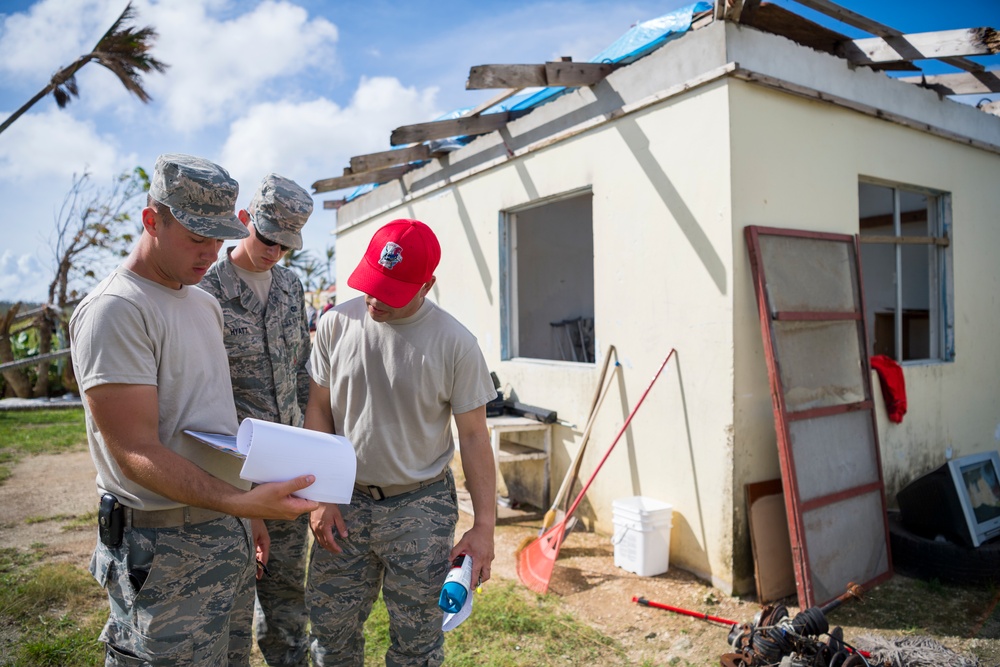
{"x":59,"y":487}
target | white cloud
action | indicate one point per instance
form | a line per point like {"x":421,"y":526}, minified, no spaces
{"x":54,"y":144}
{"x":219,"y":66}
{"x":22,"y":277}
{"x":52,"y":34}
{"x":302,"y":140}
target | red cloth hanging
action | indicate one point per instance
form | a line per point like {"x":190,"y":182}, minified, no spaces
{"x":890,"y":378}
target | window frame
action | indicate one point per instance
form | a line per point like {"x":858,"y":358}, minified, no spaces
{"x":941,"y":298}
{"x":507,"y":237}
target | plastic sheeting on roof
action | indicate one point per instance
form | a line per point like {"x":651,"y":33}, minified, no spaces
{"x":639,"y":40}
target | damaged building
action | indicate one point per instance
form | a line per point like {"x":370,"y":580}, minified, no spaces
{"x":609,"y":214}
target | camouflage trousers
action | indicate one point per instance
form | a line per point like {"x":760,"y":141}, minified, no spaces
{"x":281,"y":617}
{"x":401,"y":545}
{"x":178,"y":596}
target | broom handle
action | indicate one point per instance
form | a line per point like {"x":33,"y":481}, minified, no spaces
{"x":578,"y":458}
{"x":595,"y":401}
{"x":620,"y":432}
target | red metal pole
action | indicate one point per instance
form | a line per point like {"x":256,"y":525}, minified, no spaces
{"x":687,"y":612}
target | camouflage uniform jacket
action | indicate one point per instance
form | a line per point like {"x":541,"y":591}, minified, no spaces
{"x":268,"y":347}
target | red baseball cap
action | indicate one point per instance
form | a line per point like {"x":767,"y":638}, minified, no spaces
{"x":401,"y":257}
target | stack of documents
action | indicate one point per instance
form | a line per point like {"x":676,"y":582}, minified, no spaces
{"x":277,"y":453}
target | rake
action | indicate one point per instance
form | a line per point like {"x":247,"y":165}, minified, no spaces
{"x":536,"y":560}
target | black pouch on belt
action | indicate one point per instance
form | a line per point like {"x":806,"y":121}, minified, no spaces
{"x":110,"y":521}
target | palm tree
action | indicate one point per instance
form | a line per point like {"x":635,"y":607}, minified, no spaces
{"x":123,"y":49}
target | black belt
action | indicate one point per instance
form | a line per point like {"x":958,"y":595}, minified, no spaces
{"x":382,"y":492}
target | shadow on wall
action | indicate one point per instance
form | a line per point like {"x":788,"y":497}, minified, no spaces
{"x":686,"y":552}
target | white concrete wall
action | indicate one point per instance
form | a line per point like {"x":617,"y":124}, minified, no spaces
{"x":663,"y":280}
{"x":796,"y":164}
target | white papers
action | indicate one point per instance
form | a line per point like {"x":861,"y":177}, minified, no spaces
{"x":224,"y":443}
{"x":452,"y":621}
{"x":277,"y":453}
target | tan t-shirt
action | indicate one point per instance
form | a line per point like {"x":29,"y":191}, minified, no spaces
{"x":259,"y":282}
{"x":130,"y":330}
{"x":394,"y":386}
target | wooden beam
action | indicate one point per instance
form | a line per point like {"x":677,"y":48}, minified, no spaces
{"x":747,"y":11}
{"x":373,"y":161}
{"x":354,"y":180}
{"x":741,"y":11}
{"x":720,"y":9}
{"x":874,"y":27}
{"x":923,"y":45}
{"x":908,"y":240}
{"x":455,"y":127}
{"x":333,"y":204}
{"x":886,"y":219}
{"x":560,"y":73}
{"x":962,"y":83}
{"x":702,"y":19}
{"x":777,"y":20}
{"x":850,"y":18}
{"x":576,"y":74}
{"x":505,"y":76}
{"x":991,"y":107}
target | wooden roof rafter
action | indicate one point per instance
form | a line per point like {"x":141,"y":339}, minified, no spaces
{"x":898,"y":41}
{"x":551,"y":74}
{"x":890,"y":49}
{"x":960,"y":83}
{"x":349,"y":179}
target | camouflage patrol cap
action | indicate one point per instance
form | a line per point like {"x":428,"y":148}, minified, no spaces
{"x":279,"y":209}
{"x":200,"y":194}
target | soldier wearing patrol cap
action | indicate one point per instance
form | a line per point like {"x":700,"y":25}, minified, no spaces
{"x":267,"y":340}
{"x":173,"y":553}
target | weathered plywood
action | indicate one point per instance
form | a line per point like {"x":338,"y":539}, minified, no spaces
{"x":772,"y":548}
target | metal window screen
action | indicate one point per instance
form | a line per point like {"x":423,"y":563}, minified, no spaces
{"x":811,"y":313}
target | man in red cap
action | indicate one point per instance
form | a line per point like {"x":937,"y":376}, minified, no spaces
{"x":389,"y":370}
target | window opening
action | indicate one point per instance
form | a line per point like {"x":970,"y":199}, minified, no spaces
{"x":905,"y":257}
{"x":548,"y":262}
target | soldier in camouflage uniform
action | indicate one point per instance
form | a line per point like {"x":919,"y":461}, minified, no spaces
{"x":176,"y":560}
{"x":267,"y":339}
{"x":390,"y":370}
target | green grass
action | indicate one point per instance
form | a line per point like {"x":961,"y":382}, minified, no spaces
{"x":52,"y":613}
{"x":27,"y":432}
{"x":509,"y":627}
{"x":56,"y":611}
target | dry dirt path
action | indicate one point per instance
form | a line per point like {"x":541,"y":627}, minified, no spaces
{"x":46,"y":492}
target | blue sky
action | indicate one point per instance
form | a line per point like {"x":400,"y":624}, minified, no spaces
{"x":295,"y":86}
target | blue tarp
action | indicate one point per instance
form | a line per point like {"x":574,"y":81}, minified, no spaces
{"x":634,"y":44}
{"x":638,"y":41}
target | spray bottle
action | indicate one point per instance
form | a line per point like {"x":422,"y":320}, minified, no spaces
{"x":457,"y":584}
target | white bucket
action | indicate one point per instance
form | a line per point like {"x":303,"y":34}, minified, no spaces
{"x":642,"y":535}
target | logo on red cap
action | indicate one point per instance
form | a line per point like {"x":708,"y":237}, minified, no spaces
{"x":392,"y":254}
